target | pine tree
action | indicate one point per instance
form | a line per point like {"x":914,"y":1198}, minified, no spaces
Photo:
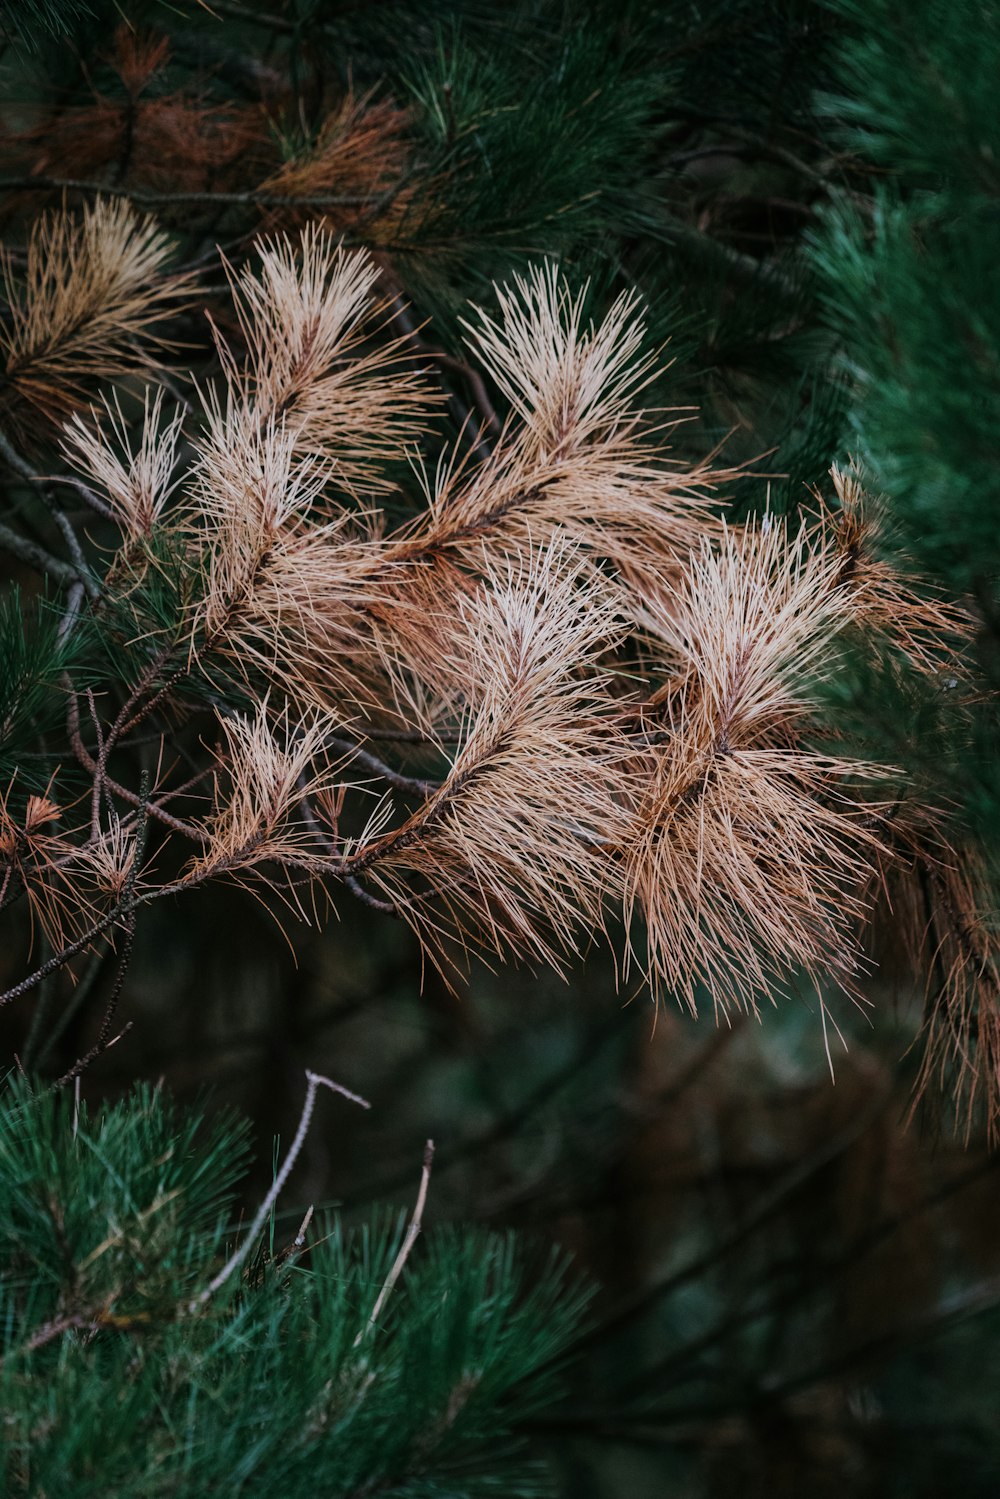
{"x":511,"y":475}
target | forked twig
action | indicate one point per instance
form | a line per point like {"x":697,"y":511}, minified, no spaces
{"x":314,"y":1080}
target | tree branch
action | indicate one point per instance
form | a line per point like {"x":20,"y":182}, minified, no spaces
{"x":313,"y":1082}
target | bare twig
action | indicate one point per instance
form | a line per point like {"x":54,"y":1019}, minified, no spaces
{"x":24,"y":470}
{"x":116,"y":916}
{"x":84,"y":491}
{"x":155,"y":199}
{"x":60,"y":959}
{"x":314,"y":1081}
{"x":386,"y":772}
{"x":98,"y":788}
{"x":475,"y":382}
{"x":366,"y":897}
{"x":72,"y":613}
{"x":37,"y":557}
{"x":98,"y":1048}
{"x":490,"y":421}
{"x":155,"y":809}
{"x":294,"y":1249}
{"x":70,"y":1009}
{"x":354,"y":885}
{"x":103,"y":1043}
{"x":50,"y":1330}
{"x":412,"y":1234}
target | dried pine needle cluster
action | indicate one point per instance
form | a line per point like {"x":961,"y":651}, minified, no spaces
{"x":562,"y":698}
{"x":85,"y":308}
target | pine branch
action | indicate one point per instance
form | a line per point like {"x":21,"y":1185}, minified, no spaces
{"x":37,"y":557}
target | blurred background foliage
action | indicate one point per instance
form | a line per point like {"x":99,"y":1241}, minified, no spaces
{"x":798,"y":1281}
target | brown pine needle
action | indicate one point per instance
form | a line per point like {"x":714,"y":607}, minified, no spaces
{"x":86,"y":307}
{"x":617,"y":690}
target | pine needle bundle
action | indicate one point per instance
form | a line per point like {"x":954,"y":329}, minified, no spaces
{"x":135,"y":128}
{"x":751,"y":848}
{"x":85,"y":309}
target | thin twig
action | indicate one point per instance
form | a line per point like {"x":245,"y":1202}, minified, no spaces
{"x":40,"y":1014}
{"x":475,"y":382}
{"x":60,"y":959}
{"x":73,"y":606}
{"x":24,"y":470}
{"x":102,"y":1043}
{"x":155,"y":809}
{"x":154,"y":199}
{"x":490,"y":421}
{"x":294,"y":1249}
{"x":366,"y":897}
{"x":37,"y":557}
{"x":412,"y":736}
{"x":341,"y":869}
{"x":98,"y":787}
{"x":313,"y":1082}
{"x":95,"y":1051}
{"x":395,"y":777}
{"x":354,"y":885}
{"x":412,"y":1234}
{"x":84,"y":491}
{"x":72,"y":1007}
{"x":50,"y":1330}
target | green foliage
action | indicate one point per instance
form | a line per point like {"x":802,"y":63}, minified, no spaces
{"x":25,"y":21}
{"x":917,"y":91}
{"x":527,"y":154}
{"x":914,"y":287}
{"x":917,"y":295}
{"x":910,"y":283}
{"x":739,"y":165}
{"x":115,"y":1379}
{"x":34,"y":655}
